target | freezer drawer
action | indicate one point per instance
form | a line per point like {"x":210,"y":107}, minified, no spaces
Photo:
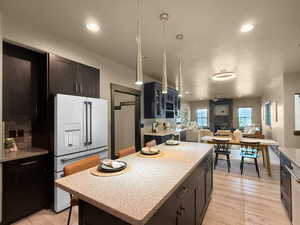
{"x":61,"y":161}
{"x":61,"y":198}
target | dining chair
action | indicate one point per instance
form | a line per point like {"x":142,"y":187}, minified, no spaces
{"x":76,"y":167}
{"x":250,"y":150}
{"x":126,"y":151}
{"x":151,"y":144}
{"x":222,"y":148}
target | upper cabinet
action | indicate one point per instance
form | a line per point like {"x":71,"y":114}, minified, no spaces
{"x":23,"y":72}
{"x":154,"y":101}
{"x":158,"y":105}
{"x":69,"y":77}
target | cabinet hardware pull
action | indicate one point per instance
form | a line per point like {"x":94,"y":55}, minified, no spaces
{"x":29,"y":163}
{"x":293,"y":174}
{"x":182,"y":193}
{"x":78,"y":157}
{"x":179,"y":213}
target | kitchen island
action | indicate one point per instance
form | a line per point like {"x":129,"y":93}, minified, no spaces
{"x":174,"y":189}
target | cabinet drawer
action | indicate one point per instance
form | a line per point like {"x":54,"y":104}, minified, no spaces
{"x":26,"y":187}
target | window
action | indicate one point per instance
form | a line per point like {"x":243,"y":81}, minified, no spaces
{"x":268,"y":119}
{"x":245,"y":117}
{"x":202,"y":117}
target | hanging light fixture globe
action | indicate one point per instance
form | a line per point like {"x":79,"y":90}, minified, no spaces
{"x":139,"y":55}
{"x":164,"y":18}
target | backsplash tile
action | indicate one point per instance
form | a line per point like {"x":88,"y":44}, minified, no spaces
{"x":21,"y":131}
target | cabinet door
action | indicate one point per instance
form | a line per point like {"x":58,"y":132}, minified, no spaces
{"x":17,"y":89}
{"x":88,"y":80}
{"x":201,"y":193}
{"x":187,"y":209}
{"x":62,"y":76}
{"x":167,"y":214}
{"x":26,"y":187}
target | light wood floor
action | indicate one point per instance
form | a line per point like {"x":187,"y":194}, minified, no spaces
{"x":237,"y":200}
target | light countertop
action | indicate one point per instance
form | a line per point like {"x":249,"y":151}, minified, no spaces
{"x":166,"y":132}
{"x":292,"y":154}
{"x":136,"y":195}
{"x":23,"y":153}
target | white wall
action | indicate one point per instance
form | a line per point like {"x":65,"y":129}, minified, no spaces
{"x":291,"y":87}
{"x":110,"y":71}
{"x":274,"y":93}
{"x":254,"y":103}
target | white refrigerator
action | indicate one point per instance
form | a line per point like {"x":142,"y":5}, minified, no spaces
{"x":80,"y":130}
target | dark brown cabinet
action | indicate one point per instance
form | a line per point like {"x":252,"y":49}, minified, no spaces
{"x":88,"y":81}
{"x":26,"y":187}
{"x":62,"y":76}
{"x":23,"y":70}
{"x":72,"y":78}
{"x":186,"y":206}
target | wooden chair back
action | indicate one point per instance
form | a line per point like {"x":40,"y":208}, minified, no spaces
{"x":150,"y":144}
{"x":221,"y":145}
{"x":81,"y":165}
{"x":126,"y":151}
{"x":250,"y":148}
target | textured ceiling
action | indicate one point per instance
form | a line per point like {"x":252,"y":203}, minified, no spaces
{"x":212,"y":41}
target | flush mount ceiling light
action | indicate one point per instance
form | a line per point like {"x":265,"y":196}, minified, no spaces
{"x":247,"y":28}
{"x":93,"y":27}
{"x":223,"y":75}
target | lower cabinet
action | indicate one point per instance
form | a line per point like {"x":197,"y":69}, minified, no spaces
{"x":26,"y":185}
{"x":186,"y":206}
{"x":286,"y":185}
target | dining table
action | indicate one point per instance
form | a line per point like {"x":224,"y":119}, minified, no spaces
{"x":263,"y":143}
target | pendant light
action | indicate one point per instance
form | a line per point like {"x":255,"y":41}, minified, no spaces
{"x":164,"y":18}
{"x":139,"y":55}
{"x":179,"y":37}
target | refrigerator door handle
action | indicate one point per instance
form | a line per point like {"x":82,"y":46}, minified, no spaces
{"x":86,"y":123}
{"x":91,"y":119}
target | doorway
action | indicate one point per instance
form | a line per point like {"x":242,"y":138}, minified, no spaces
{"x":125,"y":118}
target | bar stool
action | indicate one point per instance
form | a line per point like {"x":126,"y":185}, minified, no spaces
{"x":222,"y":148}
{"x":76,"y":167}
{"x":250,"y":150}
{"x":126,"y":151}
{"x":151,"y":143}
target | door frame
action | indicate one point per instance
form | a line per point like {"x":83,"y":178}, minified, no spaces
{"x":115,"y":88}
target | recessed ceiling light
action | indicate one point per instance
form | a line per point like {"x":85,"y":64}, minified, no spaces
{"x":247,"y":28}
{"x":93,"y":27}
{"x":223,"y":75}
{"x":187,"y":92}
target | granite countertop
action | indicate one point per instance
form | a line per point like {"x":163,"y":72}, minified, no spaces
{"x":292,"y":154}
{"x":23,"y":153}
{"x":166,"y":132}
{"x":136,"y":195}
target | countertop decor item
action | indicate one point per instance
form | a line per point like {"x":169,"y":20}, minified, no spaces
{"x":10,"y":145}
{"x":98,"y":173}
{"x":150,"y":151}
{"x":110,"y":166}
{"x":172,"y":142}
